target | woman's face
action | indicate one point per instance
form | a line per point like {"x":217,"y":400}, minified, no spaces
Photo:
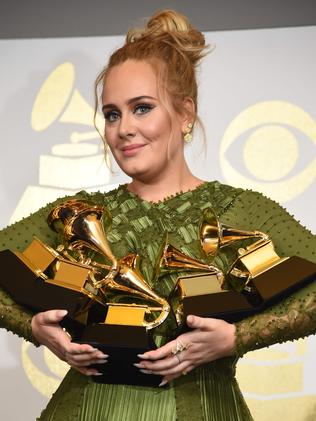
{"x":137,"y":125}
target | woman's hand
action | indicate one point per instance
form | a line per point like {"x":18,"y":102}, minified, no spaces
{"x":209,"y":340}
{"x":47,"y":331}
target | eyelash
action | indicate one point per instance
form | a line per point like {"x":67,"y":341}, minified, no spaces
{"x":109,"y":114}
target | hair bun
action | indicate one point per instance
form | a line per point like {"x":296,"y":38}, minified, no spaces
{"x":171,"y":27}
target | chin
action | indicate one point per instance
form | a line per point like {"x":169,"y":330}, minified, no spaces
{"x":134,"y":171}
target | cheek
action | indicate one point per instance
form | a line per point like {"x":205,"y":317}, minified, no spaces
{"x":110,"y":136}
{"x":156,"y":129}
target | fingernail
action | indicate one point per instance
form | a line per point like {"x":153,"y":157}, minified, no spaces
{"x":103,"y":355}
{"x":138,"y":365}
{"x":141,"y":356}
{"x":146,"y":371}
{"x":102,"y":361}
{"x":96,"y":374}
{"x":163,"y":383}
{"x":62,"y":313}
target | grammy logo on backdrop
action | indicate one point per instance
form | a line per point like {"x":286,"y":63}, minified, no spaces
{"x":75,"y":164}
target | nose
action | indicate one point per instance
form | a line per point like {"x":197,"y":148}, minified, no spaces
{"x":126,"y":127}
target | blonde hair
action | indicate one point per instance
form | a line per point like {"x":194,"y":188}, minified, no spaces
{"x":169,"y":40}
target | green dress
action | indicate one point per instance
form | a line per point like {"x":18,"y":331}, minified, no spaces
{"x":209,"y":392}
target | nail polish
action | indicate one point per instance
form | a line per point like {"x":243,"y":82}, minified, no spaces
{"x":138,"y":365}
{"x":163,"y":383}
{"x":146,"y":371}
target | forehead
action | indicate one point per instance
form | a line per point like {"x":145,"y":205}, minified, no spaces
{"x":128,"y":80}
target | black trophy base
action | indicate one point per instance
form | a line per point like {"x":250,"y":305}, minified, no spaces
{"x":31,"y":291}
{"x":270,"y":287}
{"x":122,"y":343}
{"x":284,"y":278}
{"x":226,"y":305}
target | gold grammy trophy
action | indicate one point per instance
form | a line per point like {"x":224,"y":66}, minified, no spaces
{"x":202,"y":293}
{"x":133,"y":308}
{"x":41,"y":279}
{"x":258,"y":273}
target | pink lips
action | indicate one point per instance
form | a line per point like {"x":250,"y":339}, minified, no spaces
{"x":131,"y":150}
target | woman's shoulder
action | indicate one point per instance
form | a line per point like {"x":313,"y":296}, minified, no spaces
{"x":221,"y":195}
{"x":100,"y":197}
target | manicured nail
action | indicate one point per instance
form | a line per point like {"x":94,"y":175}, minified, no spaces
{"x":146,"y":371}
{"x":142,"y":356}
{"x":138,"y":365}
{"x":102,"y":361}
{"x":103,"y":355}
{"x":163,"y":383}
{"x":62,"y":313}
{"x":96,"y":374}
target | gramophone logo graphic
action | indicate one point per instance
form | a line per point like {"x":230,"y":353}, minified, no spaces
{"x":75,"y":163}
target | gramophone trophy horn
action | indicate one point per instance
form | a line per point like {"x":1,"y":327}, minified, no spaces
{"x":172,"y":258}
{"x":82,"y":226}
{"x":215,"y":235}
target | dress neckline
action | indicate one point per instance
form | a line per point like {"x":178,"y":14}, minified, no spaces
{"x":166,"y":199}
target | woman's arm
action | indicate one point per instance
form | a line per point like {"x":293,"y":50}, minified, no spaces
{"x":42,"y":328}
{"x":295,"y":316}
{"x":17,"y":237}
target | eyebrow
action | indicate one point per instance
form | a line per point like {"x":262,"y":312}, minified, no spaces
{"x":129,"y":102}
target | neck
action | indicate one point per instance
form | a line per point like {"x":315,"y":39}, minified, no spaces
{"x":161,"y":187}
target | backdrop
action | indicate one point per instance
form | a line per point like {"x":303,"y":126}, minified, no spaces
{"x":257,"y":103}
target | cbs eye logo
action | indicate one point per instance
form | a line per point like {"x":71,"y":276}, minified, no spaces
{"x":278,"y":144}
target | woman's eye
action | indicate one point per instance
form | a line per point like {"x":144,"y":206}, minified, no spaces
{"x":111,"y":116}
{"x":143,"y":108}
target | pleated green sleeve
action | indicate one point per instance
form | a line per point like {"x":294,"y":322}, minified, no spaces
{"x":16,"y":237}
{"x":295,"y":316}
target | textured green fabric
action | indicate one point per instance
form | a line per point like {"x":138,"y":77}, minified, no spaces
{"x":211,"y":391}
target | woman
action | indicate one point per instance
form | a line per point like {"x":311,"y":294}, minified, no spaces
{"x":149,"y":113}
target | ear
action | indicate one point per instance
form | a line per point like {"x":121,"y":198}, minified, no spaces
{"x":187,"y":114}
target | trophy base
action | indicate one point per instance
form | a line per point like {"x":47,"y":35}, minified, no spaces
{"x":270,"y":287}
{"x":203,"y":296}
{"x":31,"y":291}
{"x":284,"y":278}
{"x":122,"y":343}
{"x":230,"y":306}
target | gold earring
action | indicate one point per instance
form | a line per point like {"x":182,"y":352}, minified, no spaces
{"x":188,"y":136}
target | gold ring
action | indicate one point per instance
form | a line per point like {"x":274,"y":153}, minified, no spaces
{"x":180,"y":347}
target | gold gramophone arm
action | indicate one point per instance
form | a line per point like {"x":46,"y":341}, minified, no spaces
{"x":164,"y":311}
